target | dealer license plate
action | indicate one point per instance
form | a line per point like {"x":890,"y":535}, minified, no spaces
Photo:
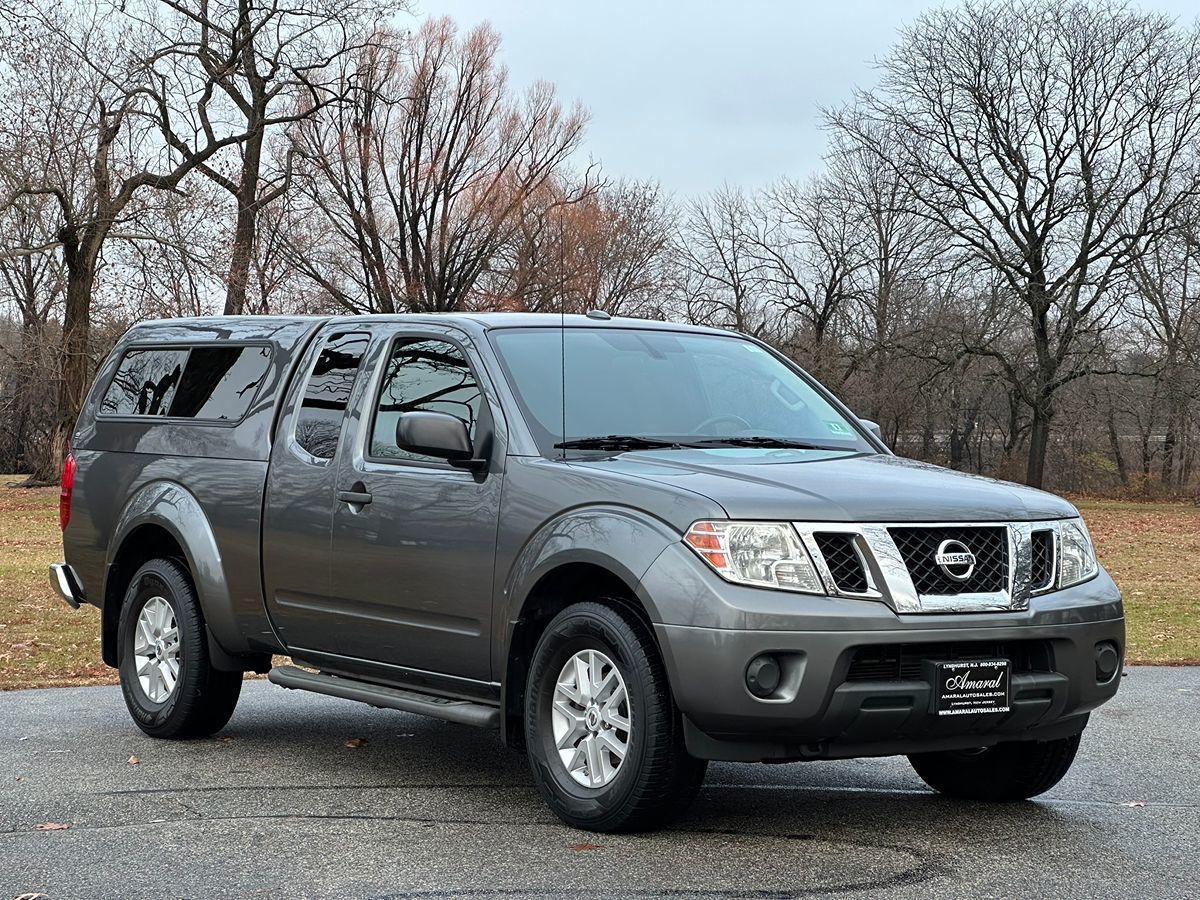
{"x":971,"y":686}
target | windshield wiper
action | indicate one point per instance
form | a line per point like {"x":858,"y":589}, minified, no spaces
{"x":618,"y":442}
{"x":762,"y":440}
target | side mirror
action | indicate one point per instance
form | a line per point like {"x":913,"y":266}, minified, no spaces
{"x":437,"y":434}
{"x":872,"y":427}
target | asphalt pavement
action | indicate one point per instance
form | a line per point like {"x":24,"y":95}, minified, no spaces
{"x":279,"y":806}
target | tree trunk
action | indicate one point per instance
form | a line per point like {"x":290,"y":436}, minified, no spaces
{"x":1176,"y":415}
{"x":240,"y":257}
{"x":1168,"y":463}
{"x":73,"y":383}
{"x":1039,"y":443}
{"x":242,"y":251}
{"x":1114,"y":441}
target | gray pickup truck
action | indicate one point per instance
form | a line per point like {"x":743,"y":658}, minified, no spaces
{"x":631,"y":547}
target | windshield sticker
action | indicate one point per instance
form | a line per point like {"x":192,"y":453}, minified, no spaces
{"x":838,"y":428}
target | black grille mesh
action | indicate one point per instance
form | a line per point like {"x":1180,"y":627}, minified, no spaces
{"x":844,"y":563}
{"x":905,"y":662}
{"x":918,"y":546}
{"x":1043,"y":560}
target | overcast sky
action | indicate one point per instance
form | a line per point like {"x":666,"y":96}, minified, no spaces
{"x":694,"y":94}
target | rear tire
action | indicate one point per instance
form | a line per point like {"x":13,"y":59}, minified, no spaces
{"x":1001,"y":774}
{"x":169,"y":684}
{"x":574,"y":733}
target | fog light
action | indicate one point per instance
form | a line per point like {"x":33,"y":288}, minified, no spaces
{"x":762,"y":676}
{"x":1108,"y":659}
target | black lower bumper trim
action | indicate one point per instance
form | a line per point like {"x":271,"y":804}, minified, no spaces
{"x":886,"y":718}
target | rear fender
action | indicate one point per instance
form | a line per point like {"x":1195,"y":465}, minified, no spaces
{"x":173,"y":508}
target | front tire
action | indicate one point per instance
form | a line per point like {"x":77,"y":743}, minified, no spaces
{"x":604,"y":738}
{"x":1005,"y":773}
{"x":169,"y":684}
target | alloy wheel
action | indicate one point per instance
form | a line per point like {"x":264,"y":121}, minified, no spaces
{"x":157,"y":648}
{"x":591,"y":718}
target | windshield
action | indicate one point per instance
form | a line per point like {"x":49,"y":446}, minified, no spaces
{"x":681,"y":388}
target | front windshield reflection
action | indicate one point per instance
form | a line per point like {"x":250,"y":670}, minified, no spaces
{"x":631,"y":387}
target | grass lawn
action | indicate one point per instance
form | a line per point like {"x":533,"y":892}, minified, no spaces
{"x":43,"y":642}
{"x":1151,"y":549}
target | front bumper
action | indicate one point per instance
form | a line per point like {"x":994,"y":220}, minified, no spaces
{"x":831,"y":706}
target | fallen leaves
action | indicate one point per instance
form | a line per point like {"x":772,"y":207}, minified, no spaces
{"x":33,"y":896}
{"x":52,"y":826}
{"x":1133,"y":803}
{"x":133,"y":761}
{"x":355,"y":743}
{"x":585,"y":846}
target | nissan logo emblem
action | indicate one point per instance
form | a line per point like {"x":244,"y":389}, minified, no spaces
{"x":955,"y":559}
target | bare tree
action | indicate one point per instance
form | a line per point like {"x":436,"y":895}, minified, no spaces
{"x":580,"y":248}
{"x":723,"y":275}
{"x":1166,"y":307}
{"x":79,"y":85}
{"x":427,"y":173}
{"x":264,"y":66}
{"x":813,"y":260}
{"x":32,"y":283}
{"x":1048,"y":139}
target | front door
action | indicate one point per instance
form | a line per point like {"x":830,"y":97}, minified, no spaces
{"x":414,"y":538}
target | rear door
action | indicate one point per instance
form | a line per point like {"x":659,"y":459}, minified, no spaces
{"x":412,"y":566}
{"x":301,"y":483}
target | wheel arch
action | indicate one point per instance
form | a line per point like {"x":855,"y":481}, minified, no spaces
{"x":164,"y":519}
{"x":591,"y":553}
{"x":559,"y":588}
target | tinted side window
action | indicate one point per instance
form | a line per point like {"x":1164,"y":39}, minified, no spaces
{"x":328,"y":392}
{"x":145,"y":383}
{"x":430,"y":376}
{"x":220,"y":382}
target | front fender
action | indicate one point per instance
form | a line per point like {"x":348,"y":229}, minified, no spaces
{"x":622,"y":540}
{"x":173,"y":508}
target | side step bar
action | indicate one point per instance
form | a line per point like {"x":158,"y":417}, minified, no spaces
{"x":464,"y":712}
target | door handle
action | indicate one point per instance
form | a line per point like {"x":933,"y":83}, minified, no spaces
{"x":359,"y":497}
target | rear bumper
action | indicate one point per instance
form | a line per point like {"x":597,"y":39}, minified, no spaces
{"x":832,"y":705}
{"x":66,"y":584}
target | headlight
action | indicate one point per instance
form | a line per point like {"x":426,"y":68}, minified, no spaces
{"x":763,"y":554}
{"x":1076,"y":556}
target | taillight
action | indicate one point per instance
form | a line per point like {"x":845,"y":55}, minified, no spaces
{"x":64,"y":495}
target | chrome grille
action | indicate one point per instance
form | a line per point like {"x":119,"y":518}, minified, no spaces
{"x":843,"y":560}
{"x":918,"y":546}
{"x":895,"y":562}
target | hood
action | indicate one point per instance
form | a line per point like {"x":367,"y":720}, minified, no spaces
{"x":837,"y":486}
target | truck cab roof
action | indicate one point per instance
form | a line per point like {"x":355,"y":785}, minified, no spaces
{"x":249,"y":327}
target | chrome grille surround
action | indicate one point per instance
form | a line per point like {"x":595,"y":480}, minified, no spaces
{"x":889,"y":580}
